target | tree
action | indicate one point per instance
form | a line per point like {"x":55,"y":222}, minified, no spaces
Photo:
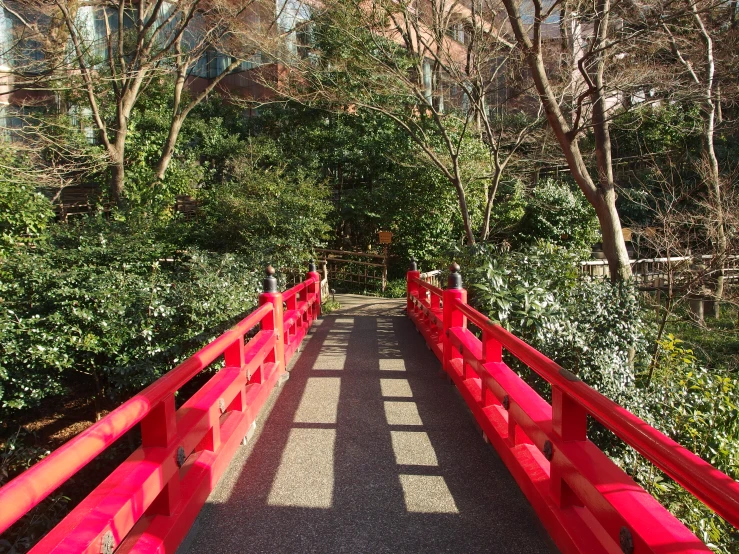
{"x":437,"y":72}
{"x":104,"y":53}
{"x":591,"y":67}
{"x":697,"y":59}
{"x":237,"y":31}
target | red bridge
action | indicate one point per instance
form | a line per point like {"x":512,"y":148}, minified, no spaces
{"x":366,"y":449}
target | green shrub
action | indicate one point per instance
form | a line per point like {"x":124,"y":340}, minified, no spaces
{"x":117,"y":303}
{"x":24,"y":213}
{"x":592,"y":328}
{"x":263,"y":209}
{"x":698,"y":408}
{"x":559,"y":214}
{"x":596,"y":329}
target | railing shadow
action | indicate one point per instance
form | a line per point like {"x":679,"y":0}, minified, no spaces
{"x":367,"y":449}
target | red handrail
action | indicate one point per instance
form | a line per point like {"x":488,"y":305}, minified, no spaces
{"x":24,"y":493}
{"x":587,"y":503}
{"x":154,"y":485}
{"x":428,"y":286}
{"x":714,"y":488}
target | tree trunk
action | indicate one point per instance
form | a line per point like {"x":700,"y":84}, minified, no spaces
{"x":493,"y":191}
{"x":614,"y":246}
{"x":709,"y":151}
{"x":117,"y":180}
{"x":117,"y":153}
{"x":602,"y":198}
{"x":464,"y":211}
{"x":168,"y":148}
{"x":717,"y":201}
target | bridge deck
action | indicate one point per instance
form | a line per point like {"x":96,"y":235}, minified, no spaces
{"x":366,"y":449}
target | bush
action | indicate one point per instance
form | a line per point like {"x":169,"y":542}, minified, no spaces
{"x":699,"y":409}
{"x":597,"y":330}
{"x":263,"y":209}
{"x":592,"y":328}
{"x":24,"y":213}
{"x":117,"y":303}
{"x":557,"y":214}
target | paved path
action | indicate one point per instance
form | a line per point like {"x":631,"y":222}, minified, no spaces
{"x":367,"y":448}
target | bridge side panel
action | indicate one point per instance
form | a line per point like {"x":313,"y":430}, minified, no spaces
{"x":586,"y":502}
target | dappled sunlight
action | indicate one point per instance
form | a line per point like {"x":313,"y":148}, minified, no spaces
{"x":367,"y":450}
{"x":320,"y":402}
{"x":305,"y":476}
{"x":402,"y":413}
{"x":330,"y":361}
{"x":428,"y":494}
{"x":395,"y":388}
{"x":392,"y":364}
{"x":413,"y":448}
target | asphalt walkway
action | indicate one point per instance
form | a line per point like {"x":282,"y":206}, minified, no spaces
{"x":367,"y":448}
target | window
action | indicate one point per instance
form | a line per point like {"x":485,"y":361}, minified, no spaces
{"x":13,"y":119}
{"x":81,"y":118}
{"x":211,"y":64}
{"x":427,"y":81}
{"x":461,"y":31}
{"x":290,"y":15}
{"x":304,"y":39}
{"x":6,"y":37}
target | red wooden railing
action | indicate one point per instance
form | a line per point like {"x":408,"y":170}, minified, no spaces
{"x":587,"y":503}
{"x":150,"y":501}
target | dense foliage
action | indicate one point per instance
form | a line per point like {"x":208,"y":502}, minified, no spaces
{"x":557,"y":213}
{"x":115,"y":302}
{"x":593,"y":328}
{"x":601,"y":332}
{"x":24,"y":212}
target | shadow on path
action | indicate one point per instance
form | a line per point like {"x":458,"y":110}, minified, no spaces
{"x":367,"y":449}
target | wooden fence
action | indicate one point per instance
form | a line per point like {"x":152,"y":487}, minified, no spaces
{"x":675,"y":271}
{"x":356,"y":268}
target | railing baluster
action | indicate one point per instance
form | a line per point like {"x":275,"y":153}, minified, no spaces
{"x":492,"y":352}
{"x":411,"y":285}
{"x":234,"y":354}
{"x":273,"y":321}
{"x":159,"y":430}
{"x":313,"y":290}
{"x":451,"y":316}
{"x":159,"y":427}
{"x":569,"y":423}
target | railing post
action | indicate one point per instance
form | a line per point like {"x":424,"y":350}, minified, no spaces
{"x":159,"y":429}
{"x":384,"y":269}
{"x":274,"y":322}
{"x":451,"y":316}
{"x":411,"y":287}
{"x":314,"y":290}
{"x":569,"y":423}
{"x":492,"y":352}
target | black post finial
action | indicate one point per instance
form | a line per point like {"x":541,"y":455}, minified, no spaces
{"x":270,"y":283}
{"x":311,"y":265}
{"x":455,"y":278}
{"x":413,"y":265}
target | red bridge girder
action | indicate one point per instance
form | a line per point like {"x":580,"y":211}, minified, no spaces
{"x":150,"y":501}
{"x":586,"y":502}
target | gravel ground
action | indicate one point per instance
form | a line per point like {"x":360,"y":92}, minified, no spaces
{"x":366,"y":448}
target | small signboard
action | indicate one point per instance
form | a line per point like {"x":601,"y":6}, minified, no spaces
{"x":386,"y":237}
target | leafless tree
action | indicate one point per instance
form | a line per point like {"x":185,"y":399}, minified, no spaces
{"x":590,"y":109}
{"x":238,"y":31}
{"x":692,"y":41}
{"x":435,"y":68}
{"x":109,"y":51}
